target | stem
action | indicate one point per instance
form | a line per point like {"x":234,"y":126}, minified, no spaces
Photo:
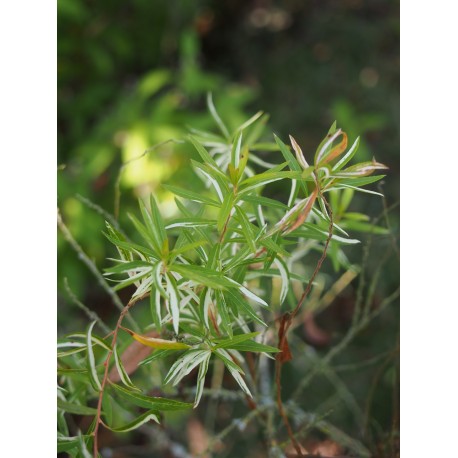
{"x":288,"y":319}
{"x":98,"y":419}
{"x":90,"y":313}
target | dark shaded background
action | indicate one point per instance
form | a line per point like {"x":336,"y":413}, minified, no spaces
{"x":132,"y":74}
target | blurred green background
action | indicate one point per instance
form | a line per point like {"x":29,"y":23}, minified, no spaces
{"x":133,"y":74}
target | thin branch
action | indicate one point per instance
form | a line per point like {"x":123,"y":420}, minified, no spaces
{"x":351,"y":334}
{"x":287,"y":323}
{"x":98,"y":419}
{"x":108,"y":216}
{"x":89,"y":313}
{"x":92,"y":267}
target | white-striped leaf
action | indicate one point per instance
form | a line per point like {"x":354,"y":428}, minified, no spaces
{"x":122,"y":372}
{"x":141,"y":420}
{"x":93,"y":377}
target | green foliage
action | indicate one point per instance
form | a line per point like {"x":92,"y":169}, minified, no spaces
{"x":209,"y":273}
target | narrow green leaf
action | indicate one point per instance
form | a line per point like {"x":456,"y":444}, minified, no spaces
{"x":246,"y":228}
{"x":201,"y":379}
{"x":128,"y":266}
{"x":155,"y":307}
{"x":75,"y":409}
{"x":235,"y":299}
{"x":225,"y":211}
{"x":203,"y":153}
{"x":82,"y":446}
{"x":157,"y":354}
{"x":107,"y":407}
{"x":156,"y":404}
{"x":348,"y":156}
{"x":235,"y":150}
{"x":361,"y":226}
{"x":254,"y":347}
{"x":93,"y":377}
{"x":174,"y":301}
{"x":67,"y":443}
{"x":132,"y":247}
{"x":284,"y":273}
{"x":146,"y":233}
{"x":250,"y":121}
{"x":123,"y":375}
{"x":95,"y":339}
{"x":227,"y":343}
{"x":289,"y":157}
{"x":216,"y":117}
{"x":202,"y":275}
{"x":260,"y":200}
{"x":191,"y":195}
{"x":190,"y":223}
{"x":158,"y":222}
{"x":274,"y":247}
{"x":139,"y":421}
{"x":226,"y":322}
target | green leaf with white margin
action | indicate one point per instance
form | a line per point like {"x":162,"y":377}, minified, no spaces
{"x":123,"y":246}
{"x":91,"y":360}
{"x":348,"y":156}
{"x":67,"y":443}
{"x":267,"y":202}
{"x":174,"y":303}
{"x":203,"y":153}
{"x":201,"y":379}
{"x":227,"y":343}
{"x":190,"y":223}
{"x":234,"y":369}
{"x":202,"y":275}
{"x":284,"y":274}
{"x":75,"y":347}
{"x":235,"y":151}
{"x":235,"y":299}
{"x":246,"y":228}
{"x":265,"y":178}
{"x":225,"y":211}
{"x":75,"y":409}
{"x":82,"y":446}
{"x":158,"y":222}
{"x":157,"y":354}
{"x":139,"y":421}
{"x":146,"y":234}
{"x":186,"y":369}
{"x":190,"y":195}
{"x":253,"y":347}
{"x":226,"y":322}
{"x":292,"y":162}
{"x":124,"y":377}
{"x":156,"y":404}
{"x":107,"y":407}
{"x":184,"y":365}
{"x":216,"y":117}
{"x":95,"y":339}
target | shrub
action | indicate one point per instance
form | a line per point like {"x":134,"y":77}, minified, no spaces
{"x":218,"y":279}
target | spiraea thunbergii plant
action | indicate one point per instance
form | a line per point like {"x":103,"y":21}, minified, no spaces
{"x":208,"y":277}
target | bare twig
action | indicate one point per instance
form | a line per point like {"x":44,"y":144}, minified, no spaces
{"x":90,"y":313}
{"x":108,"y":216}
{"x":282,"y":344}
